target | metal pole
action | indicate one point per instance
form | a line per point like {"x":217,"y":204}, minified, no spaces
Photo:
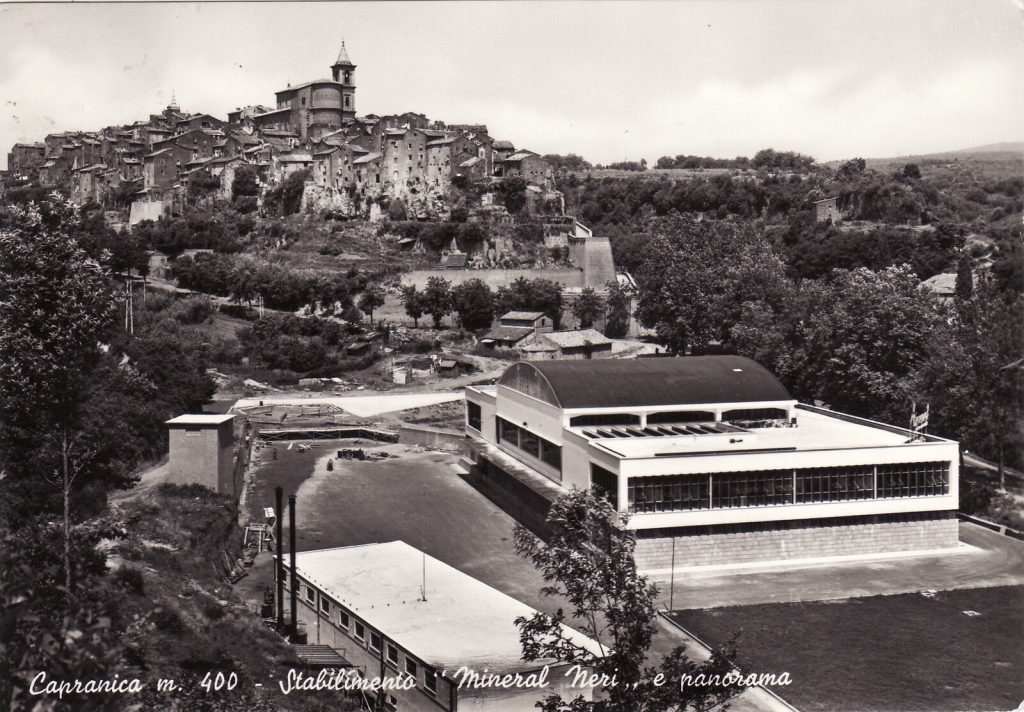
{"x":279,"y":563}
{"x":294,"y":582}
{"x":672,"y":577}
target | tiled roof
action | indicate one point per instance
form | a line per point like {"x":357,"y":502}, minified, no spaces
{"x":306,"y":84}
{"x":368,"y":158}
{"x":519,"y":155}
{"x":580,"y":337}
{"x":531,"y":315}
{"x":504,"y":145}
{"x":509,"y":333}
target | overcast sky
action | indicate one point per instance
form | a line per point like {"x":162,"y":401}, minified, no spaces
{"x":607,"y":80}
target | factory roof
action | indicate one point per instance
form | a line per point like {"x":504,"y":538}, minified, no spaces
{"x":441,"y":615}
{"x":615,"y":383}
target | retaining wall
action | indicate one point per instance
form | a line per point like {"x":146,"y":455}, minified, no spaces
{"x":432,"y":437}
{"x":798,"y":542}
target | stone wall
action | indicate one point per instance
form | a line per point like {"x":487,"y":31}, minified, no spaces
{"x":148,"y":210}
{"x":842,"y":537}
{"x":432,"y":437}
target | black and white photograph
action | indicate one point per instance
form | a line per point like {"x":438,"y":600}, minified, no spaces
{"x":487,"y":356}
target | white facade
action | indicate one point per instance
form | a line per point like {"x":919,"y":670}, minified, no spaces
{"x":689,"y":463}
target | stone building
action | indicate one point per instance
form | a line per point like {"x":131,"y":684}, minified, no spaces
{"x":825,"y":210}
{"x":323,"y":105}
{"x":25,"y":159}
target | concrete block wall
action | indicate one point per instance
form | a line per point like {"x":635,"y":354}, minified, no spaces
{"x":797,"y":542}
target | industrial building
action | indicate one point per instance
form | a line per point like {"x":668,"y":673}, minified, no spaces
{"x":713,"y":460}
{"x":391,"y":610}
{"x":202,"y":452}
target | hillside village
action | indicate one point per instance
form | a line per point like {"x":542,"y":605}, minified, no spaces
{"x":358,"y":165}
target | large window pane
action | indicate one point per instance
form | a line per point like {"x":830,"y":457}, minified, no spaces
{"x":473,"y":416}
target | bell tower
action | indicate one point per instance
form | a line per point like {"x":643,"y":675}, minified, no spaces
{"x":344,"y":72}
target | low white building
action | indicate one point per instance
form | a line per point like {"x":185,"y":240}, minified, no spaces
{"x":714,"y":461}
{"x":392,"y":610}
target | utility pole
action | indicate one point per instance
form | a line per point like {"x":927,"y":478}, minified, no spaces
{"x":279,"y":563}
{"x":129,"y":308}
{"x":294,"y":577}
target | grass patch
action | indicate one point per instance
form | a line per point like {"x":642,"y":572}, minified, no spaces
{"x":883,"y":653}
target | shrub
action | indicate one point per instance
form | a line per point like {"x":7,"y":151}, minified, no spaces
{"x":168,"y":621}
{"x":131,"y":579}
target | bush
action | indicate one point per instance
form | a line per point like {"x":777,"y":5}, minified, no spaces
{"x":131,"y":579}
{"x":194,"y":310}
{"x":397,"y":211}
{"x":168,"y":621}
{"x":214,"y":611}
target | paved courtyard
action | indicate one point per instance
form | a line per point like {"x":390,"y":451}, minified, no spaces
{"x":985,"y":559}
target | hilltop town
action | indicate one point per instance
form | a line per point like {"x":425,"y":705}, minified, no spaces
{"x":356,"y":165}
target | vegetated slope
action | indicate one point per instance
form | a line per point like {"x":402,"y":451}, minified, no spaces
{"x":187,"y":624}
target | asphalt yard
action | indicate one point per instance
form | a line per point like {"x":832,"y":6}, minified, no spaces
{"x":416,"y":497}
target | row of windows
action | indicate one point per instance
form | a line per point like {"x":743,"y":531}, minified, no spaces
{"x":369,"y":638}
{"x":530,"y":443}
{"x":673,"y":493}
{"x":679,"y":416}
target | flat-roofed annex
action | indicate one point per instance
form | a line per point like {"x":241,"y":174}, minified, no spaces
{"x":460,"y":621}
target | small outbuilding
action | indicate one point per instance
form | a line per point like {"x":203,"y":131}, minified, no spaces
{"x":202,"y":452}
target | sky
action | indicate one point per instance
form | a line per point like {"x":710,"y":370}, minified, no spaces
{"x":609,"y":81}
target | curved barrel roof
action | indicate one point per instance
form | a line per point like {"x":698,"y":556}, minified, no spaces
{"x":614,"y":383}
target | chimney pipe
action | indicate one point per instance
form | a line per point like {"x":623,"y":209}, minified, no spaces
{"x":291,"y":542}
{"x":279,"y":562}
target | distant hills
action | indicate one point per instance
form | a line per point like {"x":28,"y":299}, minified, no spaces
{"x":1004,"y":147}
{"x":996,"y":160}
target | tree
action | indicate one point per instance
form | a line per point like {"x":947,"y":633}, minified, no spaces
{"x":201,"y":184}
{"x":616,"y":325}
{"x":437,"y":299}
{"x":523,"y":294}
{"x":857,"y":339}
{"x":372,"y":298}
{"x":698,"y":276}
{"x":513,"y":193}
{"x":964,"y":278}
{"x":912,"y":171}
{"x":588,"y":560}
{"x":245,"y":183}
{"x":286,"y":198}
{"x":397,"y":211}
{"x":413,"y":302}
{"x":474,"y":303}
{"x":588,"y":307}
{"x":853,"y":168}
{"x":975,"y":391}
{"x":55,"y":308}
